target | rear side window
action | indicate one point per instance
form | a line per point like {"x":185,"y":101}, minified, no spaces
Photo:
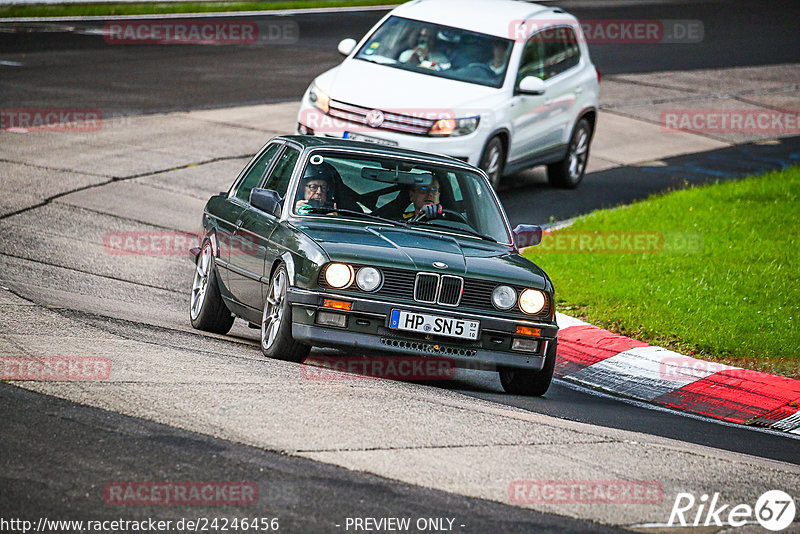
{"x":255,"y":174}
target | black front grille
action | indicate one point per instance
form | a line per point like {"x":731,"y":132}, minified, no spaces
{"x":425,"y":288}
{"x":450,"y":294}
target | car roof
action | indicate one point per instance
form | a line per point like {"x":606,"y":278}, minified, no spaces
{"x":493,"y":17}
{"x":311,"y":141}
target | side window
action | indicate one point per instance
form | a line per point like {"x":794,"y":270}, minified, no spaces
{"x":532,"y":63}
{"x":256,"y":172}
{"x":561,"y":51}
{"x":279,"y":177}
{"x":548,"y":53}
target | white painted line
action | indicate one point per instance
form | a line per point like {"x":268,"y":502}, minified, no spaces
{"x":790,"y":424}
{"x":11,"y":63}
{"x":646,"y":372}
{"x":217,"y":15}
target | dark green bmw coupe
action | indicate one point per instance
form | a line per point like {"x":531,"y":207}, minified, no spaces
{"x":333,"y":243}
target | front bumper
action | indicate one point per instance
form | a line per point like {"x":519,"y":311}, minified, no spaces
{"x":367,"y":329}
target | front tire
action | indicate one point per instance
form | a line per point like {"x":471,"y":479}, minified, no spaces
{"x":568,"y":172}
{"x":276,"y":322}
{"x":531,"y":383}
{"x":493,"y":160}
{"x":207,"y":311}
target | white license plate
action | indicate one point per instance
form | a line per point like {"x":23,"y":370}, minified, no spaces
{"x":434,"y":324}
{"x":368,"y":139}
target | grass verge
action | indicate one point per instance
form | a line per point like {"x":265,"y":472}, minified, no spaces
{"x":716,"y":273}
{"x":156,"y":8}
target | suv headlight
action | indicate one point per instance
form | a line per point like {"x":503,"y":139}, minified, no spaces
{"x":454,"y":127}
{"x":532,"y":301}
{"x":318,"y":98}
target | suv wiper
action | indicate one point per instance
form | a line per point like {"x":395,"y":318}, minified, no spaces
{"x":469,"y":231}
{"x":354,"y":214}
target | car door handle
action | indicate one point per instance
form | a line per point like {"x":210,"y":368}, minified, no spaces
{"x":578,"y":90}
{"x":548,"y":102}
{"x":238,"y":227}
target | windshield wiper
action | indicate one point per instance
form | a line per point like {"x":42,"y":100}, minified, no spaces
{"x":354,"y":214}
{"x":469,"y":231}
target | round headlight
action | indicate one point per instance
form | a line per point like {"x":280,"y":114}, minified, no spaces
{"x":504,"y":297}
{"x":339,"y":275}
{"x":532,"y":301}
{"x":368,"y":278}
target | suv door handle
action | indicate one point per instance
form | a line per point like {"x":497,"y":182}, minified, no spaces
{"x":548,"y":102}
{"x":578,"y":90}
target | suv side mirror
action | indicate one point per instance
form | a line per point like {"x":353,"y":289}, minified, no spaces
{"x":346,"y":46}
{"x":531,"y":85}
{"x":266,"y":200}
{"x":527,"y":235}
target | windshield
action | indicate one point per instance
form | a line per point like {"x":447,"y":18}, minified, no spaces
{"x":439,"y":51}
{"x":371,"y":187}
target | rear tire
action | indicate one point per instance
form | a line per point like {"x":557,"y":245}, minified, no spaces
{"x":569,"y":172}
{"x":531,"y":383}
{"x":276,"y":322}
{"x":207,"y":310}
{"x":493,"y":160}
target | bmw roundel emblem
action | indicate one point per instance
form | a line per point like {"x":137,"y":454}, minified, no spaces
{"x":440,"y":265}
{"x":375,"y":118}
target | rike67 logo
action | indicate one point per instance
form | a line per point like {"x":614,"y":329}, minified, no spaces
{"x":774,"y":510}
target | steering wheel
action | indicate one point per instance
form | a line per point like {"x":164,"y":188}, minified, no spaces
{"x":482,"y":66}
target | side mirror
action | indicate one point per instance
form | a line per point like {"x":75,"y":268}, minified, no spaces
{"x":527,"y":235}
{"x":266,"y":200}
{"x":346,"y":46}
{"x":531,"y":85}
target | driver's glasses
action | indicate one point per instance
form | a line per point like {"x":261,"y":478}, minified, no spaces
{"x":426,"y":189}
{"x":317,"y":187}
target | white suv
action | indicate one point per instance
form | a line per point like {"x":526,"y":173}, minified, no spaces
{"x":502,"y":84}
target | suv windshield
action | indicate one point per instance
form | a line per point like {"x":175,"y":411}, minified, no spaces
{"x":382,"y":187}
{"x":439,"y":51}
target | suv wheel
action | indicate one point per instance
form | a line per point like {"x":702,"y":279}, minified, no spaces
{"x":207,"y":311}
{"x":492,"y":160}
{"x":532,"y":383}
{"x":568,"y":172}
{"x":276,"y":322}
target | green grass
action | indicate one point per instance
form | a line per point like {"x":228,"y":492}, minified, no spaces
{"x":734,"y":299}
{"x":147,"y":8}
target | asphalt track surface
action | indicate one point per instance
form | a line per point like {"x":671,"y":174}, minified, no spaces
{"x":48,"y":435}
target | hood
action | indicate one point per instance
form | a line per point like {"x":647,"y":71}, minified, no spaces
{"x":367,"y":84}
{"x":404,"y":248}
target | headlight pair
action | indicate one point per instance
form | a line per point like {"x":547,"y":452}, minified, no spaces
{"x":341,"y":275}
{"x":531,"y":301}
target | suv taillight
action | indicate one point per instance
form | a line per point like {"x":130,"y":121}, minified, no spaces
{"x":599,"y":76}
